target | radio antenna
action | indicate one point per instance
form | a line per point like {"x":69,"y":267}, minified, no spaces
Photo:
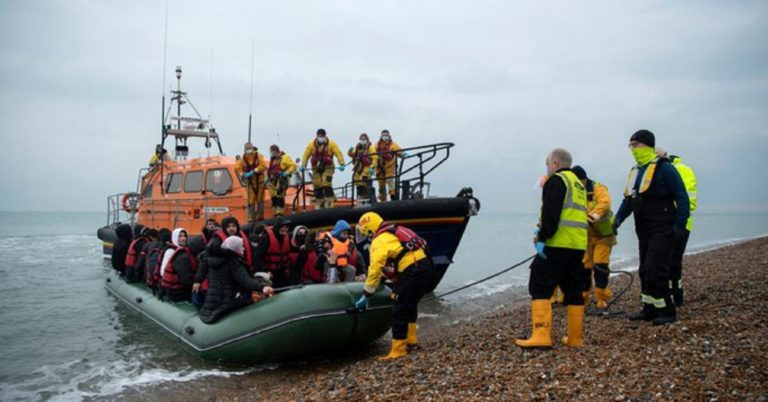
{"x":162,"y":111}
{"x":250,"y":108}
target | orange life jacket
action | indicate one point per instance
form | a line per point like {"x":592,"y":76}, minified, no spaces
{"x":341,"y":248}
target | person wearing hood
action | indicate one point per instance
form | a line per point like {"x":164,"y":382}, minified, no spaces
{"x":676,"y":266}
{"x":364,"y":160}
{"x":300,"y":254}
{"x":230,"y":227}
{"x":155,"y":251}
{"x":251,"y":169}
{"x":211,"y":226}
{"x":274,"y":247}
{"x":386,"y":167}
{"x":600,"y":240}
{"x":120,"y":247}
{"x":335,"y":258}
{"x":656,"y":196}
{"x":230,"y":286}
{"x":134,"y":268}
{"x":321,"y":151}
{"x":281,"y":167}
{"x":178,"y":268}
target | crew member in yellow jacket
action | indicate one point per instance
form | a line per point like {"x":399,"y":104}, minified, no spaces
{"x":364,"y":159}
{"x":281,"y":167}
{"x":321,"y":151}
{"x":386,"y":167}
{"x":601,"y":239}
{"x":399,"y":254}
{"x":251,"y":169}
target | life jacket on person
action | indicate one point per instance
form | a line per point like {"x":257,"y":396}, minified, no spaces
{"x":246,"y":244}
{"x":277,"y":255}
{"x":382,"y":148}
{"x":322,"y":154}
{"x":361,"y":157}
{"x":153,"y":261}
{"x":341,"y":248}
{"x":133,"y":254}
{"x":604,"y":226}
{"x":409,"y":240}
{"x":170,"y":278}
{"x":275,"y":166}
{"x":309,"y":272}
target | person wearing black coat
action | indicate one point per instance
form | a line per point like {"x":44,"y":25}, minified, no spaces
{"x":120,"y":248}
{"x":229,"y":284}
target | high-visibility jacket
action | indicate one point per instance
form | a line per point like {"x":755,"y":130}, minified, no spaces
{"x":599,"y":206}
{"x":281,"y":164}
{"x":363,"y":158}
{"x":322,"y":154}
{"x":387,"y":152}
{"x":386,"y":248}
{"x":572,"y":228}
{"x":248,"y":163}
{"x":689,"y":180}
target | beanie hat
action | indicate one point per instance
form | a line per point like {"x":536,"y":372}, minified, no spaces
{"x":644,"y":136}
{"x":234,"y":243}
{"x":579,"y":172}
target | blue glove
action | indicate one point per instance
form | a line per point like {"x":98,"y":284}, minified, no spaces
{"x":248,"y":175}
{"x":341,"y":168}
{"x":362,"y":303}
{"x":370,"y":171}
{"x":282,"y":174}
{"x":404,"y":154}
{"x":302,"y":169}
{"x":540,"y":249}
{"x":536,"y":231}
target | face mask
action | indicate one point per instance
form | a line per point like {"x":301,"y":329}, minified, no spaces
{"x":322,"y":140}
{"x":343,"y":237}
{"x":363,"y":143}
{"x":248,"y":151}
{"x":275,"y":154}
{"x":301,"y":238}
{"x":385,"y":138}
{"x":643,"y":155}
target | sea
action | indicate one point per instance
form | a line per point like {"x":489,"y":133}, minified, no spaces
{"x":64,"y":337}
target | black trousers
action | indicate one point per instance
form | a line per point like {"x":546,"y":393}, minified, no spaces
{"x":656,"y":247}
{"x":411,"y":286}
{"x":563,"y":267}
{"x":676,"y":265}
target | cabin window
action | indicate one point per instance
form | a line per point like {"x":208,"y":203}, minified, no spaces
{"x":147,"y":191}
{"x":218,"y":181}
{"x":193,"y":182}
{"x":173,"y":183}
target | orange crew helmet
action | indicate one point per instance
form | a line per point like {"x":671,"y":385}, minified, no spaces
{"x":368,"y":224}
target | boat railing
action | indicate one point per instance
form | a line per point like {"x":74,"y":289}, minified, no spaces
{"x":122,"y":208}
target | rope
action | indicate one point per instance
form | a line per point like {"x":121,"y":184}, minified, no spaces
{"x":619,"y":294}
{"x":440,"y":296}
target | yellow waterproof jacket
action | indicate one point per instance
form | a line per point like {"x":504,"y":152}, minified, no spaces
{"x":331,"y":150}
{"x":384,"y":247}
{"x":387,"y":160}
{"x":249,"y":163}
{"x":369,"y":153}
{"x":599,"y":207}
{"x":285,"y":165}
{"x":689,"y":180}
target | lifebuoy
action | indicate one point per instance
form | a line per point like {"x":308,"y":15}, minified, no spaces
{"x":129,"y":199}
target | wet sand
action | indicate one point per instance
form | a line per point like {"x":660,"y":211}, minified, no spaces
{"x":716,"y":351}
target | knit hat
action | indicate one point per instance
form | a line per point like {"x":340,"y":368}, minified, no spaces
{"x":234,"y":243}
{"x":579,"y":172}
{"x":644,"y":136}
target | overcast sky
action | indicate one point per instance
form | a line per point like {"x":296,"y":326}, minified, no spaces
{"x":81,"y":82}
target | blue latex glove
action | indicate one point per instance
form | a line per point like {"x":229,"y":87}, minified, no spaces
{"x":302,"y":169}
{"x":540,"y":249}
{"x":341,"y":168}
{"x":248,"y":175}
{"x":370,"y":171}
{"x":362,"y":303}
{"x":282,"y":174}
{"x":536,"y":231}
{"x":404,"y":154}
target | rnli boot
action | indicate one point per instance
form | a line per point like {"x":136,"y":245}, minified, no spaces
{"x":666,"y":314}
{"x":677,"y":293}
{"x":541,"y":318}
{"x":399,"y":349}
{"x":411,"y":341}
{"x":646,"y":314}
{"x":602,"y":295}
{"x":575,"y":337}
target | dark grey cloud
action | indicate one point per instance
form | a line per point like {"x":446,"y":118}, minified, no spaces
{"x":80,"y":86}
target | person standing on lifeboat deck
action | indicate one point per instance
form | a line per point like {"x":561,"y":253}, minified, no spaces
{"x":364,"y":159}
{"x":321,"y":151}
{"x":251,"y":169}
{"x":676,"y":267}
{"x":560,"y":242}
{"x":281,"y":167}
{"x":387,"y":152}
{"x":601,"y":239}
{"x":412,"y":273}
{"x":656,"y":196}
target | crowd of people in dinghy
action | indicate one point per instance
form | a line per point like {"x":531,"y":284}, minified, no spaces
{"x":225,"y":268}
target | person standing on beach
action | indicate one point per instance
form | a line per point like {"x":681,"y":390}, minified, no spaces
{"x":560,"y":241}
{"x":601,"y":239}
{"x":676,"y":266}
{"x":656,"y":196}
{"x":401,"y":255}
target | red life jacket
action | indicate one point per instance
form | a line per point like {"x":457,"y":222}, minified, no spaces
{"x":308,"y":271}
{"x":154,"y":259}
{"x":360,"y":156}
{"x":274,"y":166}
{"x":321,"y":154}
{"x":277,"y":255}
{"x":170,"y":279}
{"x":250,"y":166}
{"x":133,"y":254}
{"x":409,"y":240}
{"x":246,"y":245}
{"x":382,"y":148}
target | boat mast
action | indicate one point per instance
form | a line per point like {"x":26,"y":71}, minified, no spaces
{"x":250,"y":108}
{"x":162,"y":110}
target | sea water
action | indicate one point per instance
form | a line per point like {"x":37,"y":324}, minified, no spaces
{"x":64,"y":337}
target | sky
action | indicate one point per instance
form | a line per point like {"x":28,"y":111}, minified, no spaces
{"x":506,"y":81}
